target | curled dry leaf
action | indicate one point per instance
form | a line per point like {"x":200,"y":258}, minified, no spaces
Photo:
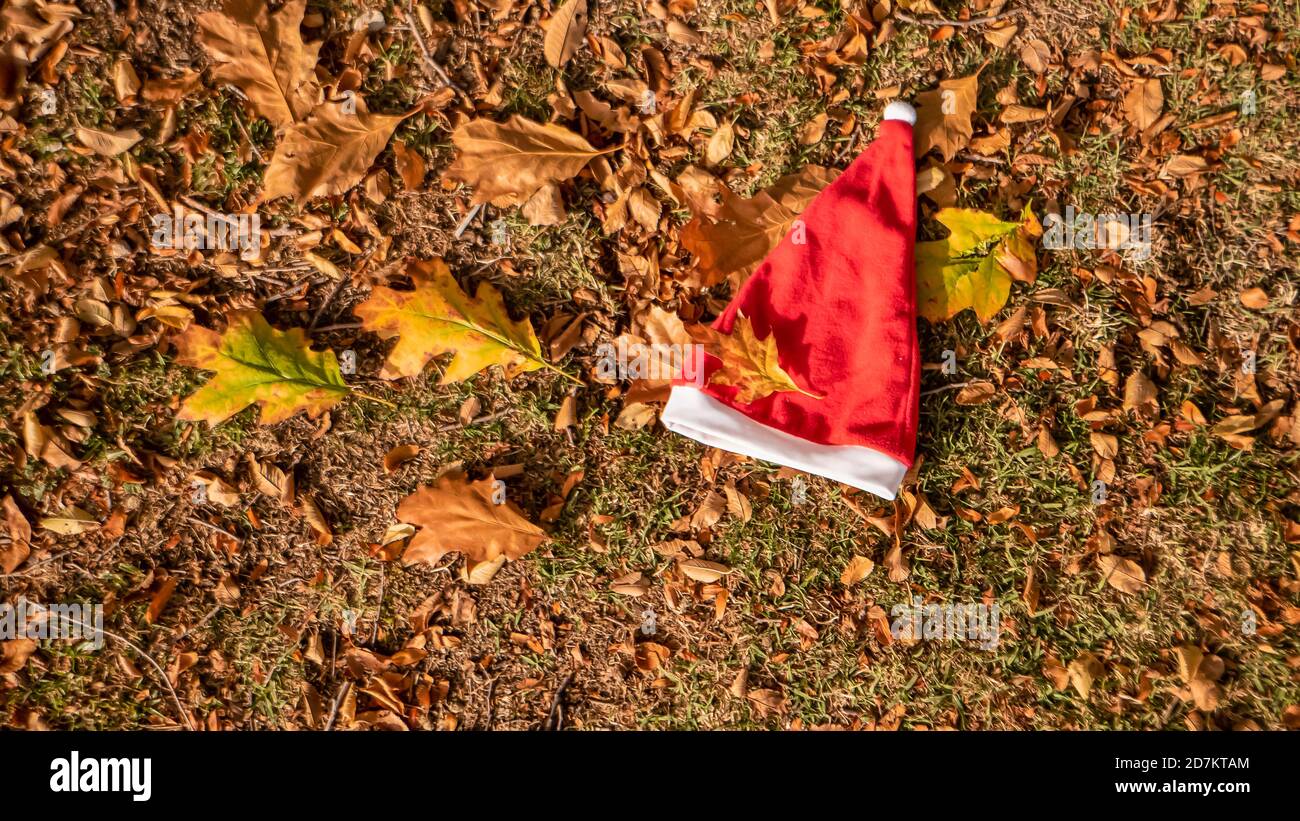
{"x":858,"y":568}
{"x":315,"y":519}
{"x":703,"y":570}
{"x":18,"y":548}
{"x":272,"y":481}
{"x":565,"y":32}
{"x":400,"y":455}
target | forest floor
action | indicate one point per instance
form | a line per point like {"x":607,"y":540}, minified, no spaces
{"x":1114,"y":466}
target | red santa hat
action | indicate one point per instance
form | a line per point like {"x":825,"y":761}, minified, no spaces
{"x":839,"y":296}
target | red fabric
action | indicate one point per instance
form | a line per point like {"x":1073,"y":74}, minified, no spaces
{"x":843,"y":309}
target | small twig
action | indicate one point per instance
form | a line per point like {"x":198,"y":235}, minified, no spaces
{"x":220,"y":530}
{"x":239,"y":121}
{"x":953,"y":386}
{"x":338,"y":286}
{"x":414,"y":25}
{"x":936,"y":22}
{"x":341,"y":326}
{"x":379,"y":609}
{"x":460,"y":229}
{"x":180,"y":708}
{"x":555,"y":716}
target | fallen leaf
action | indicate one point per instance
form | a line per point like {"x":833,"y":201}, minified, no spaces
{"x":943,"y":116}
{"x":456,"y":515}
{"x":703,"y":570}
{"x":257,"y":364}
{"x":1083,"y":673}
{"x":327,"y":153}
{"x":1144,"y":102}
{"x":1125,"y":575}
{"x":750,"y":364}
{"x":858,"y":568}
{"x":742,"y":232}
{"x":507,"y":162}
{"x":969,"y":268}
{"x":263,"y":54}
{"x":399,"y":455}
{"x":565,"y":32}
{"x":70,"y":522}
{"x":108,"y":143}
{"x":437,"y":317}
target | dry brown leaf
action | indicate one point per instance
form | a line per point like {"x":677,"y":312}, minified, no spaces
{"x":709,"y":512}
{"x":1083,"y":672}
{"x":858,"y":568}
{"x":896,"y":564}
{"x":507,"y":162}
{"x":565,"y":32}
{"x":19,"y":531}
{"x":1125,"y":575}
{"x":702,"y":570}
{"x":742,"y":232}
{"x":263,"y":54}
{"x":1144,"y":102}
{"x":456,"y":515}
{"x":328,"y":153}
{"x":108,"y":143}
{"x":400,"y":455}
{"x":1139,"y":392}
{"x":315,"y":520}
{"x":943,"y":116}
{"x":720,"y":145}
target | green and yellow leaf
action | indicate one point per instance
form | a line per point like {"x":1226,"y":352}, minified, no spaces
{"x":255,"y":363}
{"x":973,"y":266}
{"x":437,"y":317}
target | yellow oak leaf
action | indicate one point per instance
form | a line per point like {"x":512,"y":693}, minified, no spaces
{"x":474,"y":519}
{"x":750,"y":364}
{"x":437,"y":317}
{"x":255,"y":363}
{"x":263,"y":54}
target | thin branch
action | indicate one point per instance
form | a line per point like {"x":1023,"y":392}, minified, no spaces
{"x":413,"y":24}
{"x":142,"y":654}
{"x":954,"y":386}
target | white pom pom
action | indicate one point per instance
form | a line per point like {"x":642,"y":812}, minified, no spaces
{"x":899,"y":110}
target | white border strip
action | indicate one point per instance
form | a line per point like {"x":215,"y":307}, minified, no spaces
{"x":696,"y":415}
